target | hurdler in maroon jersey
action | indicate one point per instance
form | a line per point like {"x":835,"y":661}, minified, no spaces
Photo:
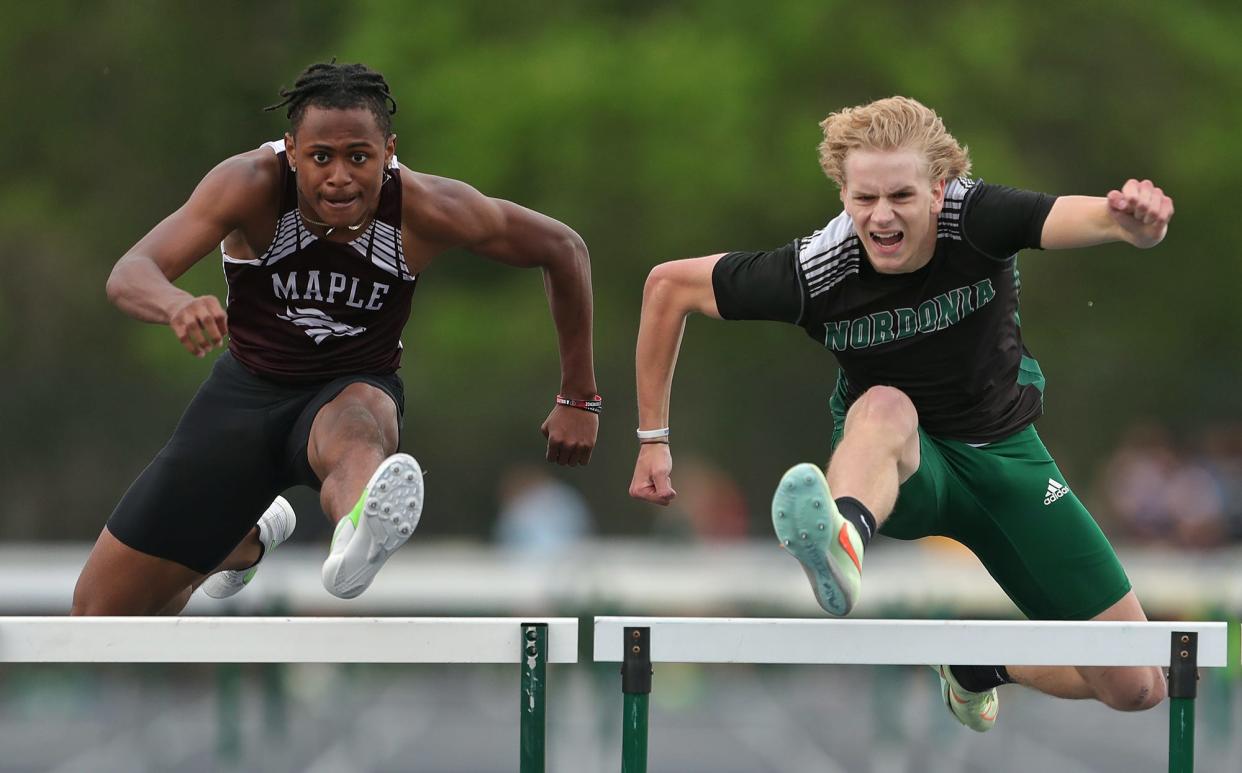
{"x":310,"y":309}
{"x":308,"y":393}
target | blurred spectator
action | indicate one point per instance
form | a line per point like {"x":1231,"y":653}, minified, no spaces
{"x":1196,"y":506}
{"x":709,"y":507}
{"x":1159,"y":496}
{"x":539,"y":513}
{"x":1136,"y":479}
{"x":1222,"y":447}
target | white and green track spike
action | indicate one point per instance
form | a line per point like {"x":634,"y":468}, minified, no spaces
{"x":382,"y":520}
{"x":275,"y":526}
{"x":810,"y":527}
{"x":976,"y":710}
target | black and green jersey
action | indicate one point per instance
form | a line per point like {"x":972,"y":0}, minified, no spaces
{"x":946,"y":335}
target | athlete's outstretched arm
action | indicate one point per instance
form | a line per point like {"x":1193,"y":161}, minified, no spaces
{"x":673,"y":290}
{"x":1138,"y":213}
{"x":141,"y":283}
{"x":517,"y":236}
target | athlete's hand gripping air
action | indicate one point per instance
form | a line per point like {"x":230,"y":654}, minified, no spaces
{"x":653,"y":474}
{"x":571,"y":434}
{"x":1142,"y":210}
{"x":200,"y":324}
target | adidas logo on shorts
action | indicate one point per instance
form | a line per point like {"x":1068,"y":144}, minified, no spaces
{"x":1055,"y":491}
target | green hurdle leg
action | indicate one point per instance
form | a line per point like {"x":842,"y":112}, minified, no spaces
{"x":636,"y":687}
{"x":534,"y":682}
{"x":228,"y":715}
{"x":1183,"y":686}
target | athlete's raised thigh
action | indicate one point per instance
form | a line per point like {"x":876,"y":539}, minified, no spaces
{"x":360,"y":412}
{"x":119,"y":580}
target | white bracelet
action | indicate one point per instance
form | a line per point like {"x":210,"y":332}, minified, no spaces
{"x":653,"y":434}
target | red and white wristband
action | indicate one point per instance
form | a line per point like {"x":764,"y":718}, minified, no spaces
{"x":594,"y":404}
{"x":646,"y":436}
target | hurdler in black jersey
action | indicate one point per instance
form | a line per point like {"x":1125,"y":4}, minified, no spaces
{"x":947,"y":335}
{"x":914,"y":289}
{"x":323,"y":236}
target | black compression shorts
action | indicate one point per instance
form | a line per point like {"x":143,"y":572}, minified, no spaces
{"x":241,"y":441}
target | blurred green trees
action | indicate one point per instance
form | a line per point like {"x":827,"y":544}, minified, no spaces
{"x":658,"y":131}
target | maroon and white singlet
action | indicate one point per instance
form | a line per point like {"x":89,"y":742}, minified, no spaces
{"x":309,"y":309}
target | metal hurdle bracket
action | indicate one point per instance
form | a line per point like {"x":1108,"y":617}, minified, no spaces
{"x":637,"y":642}
{"x":531,"y":643}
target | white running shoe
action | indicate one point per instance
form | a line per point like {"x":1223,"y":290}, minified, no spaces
{"x":976,"y":710}
{"x":275,"y":526}
{"x":384,"y":518}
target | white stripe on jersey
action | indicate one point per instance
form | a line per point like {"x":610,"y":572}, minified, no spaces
{"x":829,"y":255}
{"x":285,"y":242}
{"x":383,"y":244}
{"x":291,"y":236}
{"x":949,"y":225}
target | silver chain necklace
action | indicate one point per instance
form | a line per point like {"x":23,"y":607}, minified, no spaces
{"x":330,"y":228}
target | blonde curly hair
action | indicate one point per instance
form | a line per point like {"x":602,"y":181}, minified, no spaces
{"x":891,"y":124}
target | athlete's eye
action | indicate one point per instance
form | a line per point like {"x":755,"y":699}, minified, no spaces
{"x":360,"y":158}
{"x":320,"y":157}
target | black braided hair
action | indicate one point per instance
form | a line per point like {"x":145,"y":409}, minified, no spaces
{"x":339,"y":86}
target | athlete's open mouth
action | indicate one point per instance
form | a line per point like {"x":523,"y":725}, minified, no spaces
{"x":887,"y":238}
{"x":340,"y":203}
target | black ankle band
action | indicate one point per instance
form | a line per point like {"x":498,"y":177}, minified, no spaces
{"x":980,"y":678}
{"x":857,"y":513}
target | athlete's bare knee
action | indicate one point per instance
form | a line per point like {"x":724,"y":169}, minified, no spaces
{"x":84,"y":606}
{"x":1138,"y":690}
{"x":884,"y":408}
{"x":92,"y":603}
{"x":119,"y":580}
{"x":90,"y":595}
{"x":99,"y":604}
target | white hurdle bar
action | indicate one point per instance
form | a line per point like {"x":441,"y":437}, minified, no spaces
{"x":278,"y":639}
{"x":637,"y":642}
{"x":907,"y":642}
{"x":530,"y":643}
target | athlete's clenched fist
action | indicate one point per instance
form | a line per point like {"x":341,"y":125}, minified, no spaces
{"x":200,"y":324}
{"x":1142,"y":210}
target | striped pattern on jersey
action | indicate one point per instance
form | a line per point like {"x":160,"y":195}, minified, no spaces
{"x":381,"y":244}
{"x":949,"y":224}
{"x":833,"y":253}
{"x":829,"y":255}
{"x":291,"y":236}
